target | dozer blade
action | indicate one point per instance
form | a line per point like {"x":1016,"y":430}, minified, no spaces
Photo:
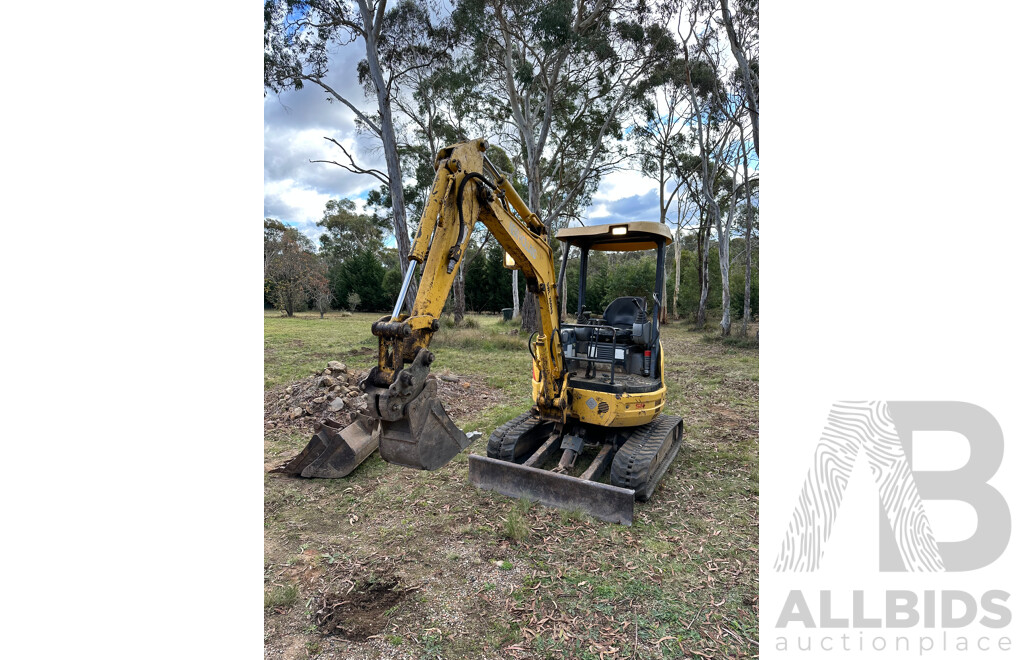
{"x":424,"y":437}
{"x":334,"y":452}
{"x":604,"y":502}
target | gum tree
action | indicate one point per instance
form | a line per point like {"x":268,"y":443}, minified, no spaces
{"x":559,"y":75}
{"x":299,"y":36}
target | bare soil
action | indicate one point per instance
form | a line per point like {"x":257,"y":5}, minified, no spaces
{"x":358,"y":612}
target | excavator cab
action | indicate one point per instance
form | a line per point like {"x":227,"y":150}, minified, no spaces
{"x":615,"y":444}
{"x":619,"y":351}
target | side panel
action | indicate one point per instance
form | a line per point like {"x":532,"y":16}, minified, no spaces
{"x":613,"y":410}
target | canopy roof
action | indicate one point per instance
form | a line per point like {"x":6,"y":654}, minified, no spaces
{"x":638,"y":235}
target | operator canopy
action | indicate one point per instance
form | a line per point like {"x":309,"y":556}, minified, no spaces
{"x":622,"y":237}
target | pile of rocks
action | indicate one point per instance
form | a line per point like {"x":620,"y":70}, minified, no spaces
{"x":332,"y":393}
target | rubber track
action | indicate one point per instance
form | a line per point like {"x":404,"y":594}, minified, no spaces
{"x":631,"y":467}
{"x":502,"y":443}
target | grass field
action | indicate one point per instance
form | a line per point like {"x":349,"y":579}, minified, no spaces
{"x":425,"y":566}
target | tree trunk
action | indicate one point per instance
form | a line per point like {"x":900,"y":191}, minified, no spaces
{"x":675,"y":292}
{"x":723,"y":264}
{"x":287,"y":299}
{"x":715,"y":220}
{"x":562,"y":289}
{"x":530,"y":307}
{"x":387,"y":129}
{"x":703,"y":260}
{"x":750,"y":225}
{"x":724,"y":237}
{"x":663,"y":294}
{"x":531,"y":314}
{"x":460,"y":296}
{"x":709,"y":172}
{"x":515,"y":293}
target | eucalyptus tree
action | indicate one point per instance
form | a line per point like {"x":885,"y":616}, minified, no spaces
{"x":348,"y":231}
{"x":714,"y":122}
{"x":723,"y":228}
{"x":662,"y":134}
{"x":687,"y":210}
{"x":300,"y":37}
{"x":743,"y":38}
{"x":559,"y":74}
{"x":662,"y":139}
{"x":750,"y":219}
{"x":441,"y":105}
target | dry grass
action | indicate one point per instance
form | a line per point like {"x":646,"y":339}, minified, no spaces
{"x":492,"y":578}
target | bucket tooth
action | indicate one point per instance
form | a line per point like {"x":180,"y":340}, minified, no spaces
{"x":424,"y":437}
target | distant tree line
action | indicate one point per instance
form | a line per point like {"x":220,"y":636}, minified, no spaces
{"x":361,"y":274}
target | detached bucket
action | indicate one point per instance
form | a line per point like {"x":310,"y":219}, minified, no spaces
{"x":334,"y":452}
{"x":424,"y":437}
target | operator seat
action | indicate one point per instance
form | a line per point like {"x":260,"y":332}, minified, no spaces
{"x":624,"y":312}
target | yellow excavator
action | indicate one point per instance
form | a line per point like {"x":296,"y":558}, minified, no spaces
{"x":598,"y":384}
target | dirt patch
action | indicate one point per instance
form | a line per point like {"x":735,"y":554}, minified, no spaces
{"x":361,"y":612}
{"x":334,"y":394}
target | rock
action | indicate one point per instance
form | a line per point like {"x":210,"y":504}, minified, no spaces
{"x":352,"y":391}
{"x":319,"y":399}
{"x":288,"y":390}
{"x":337,"y":404}
{"x":352,"y":394}
{"x":449,"y":379}
{"x":336,"y":389}
{"x":334,"y":365}
{"x":327,"y":381}
{"x":295,"y":413}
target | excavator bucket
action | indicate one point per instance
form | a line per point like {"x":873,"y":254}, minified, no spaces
{"x":423,"y":436}
{"x":334,"y":452}
{"x":405,"y":420}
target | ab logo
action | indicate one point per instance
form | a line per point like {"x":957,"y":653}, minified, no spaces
{"x":882,"y":431}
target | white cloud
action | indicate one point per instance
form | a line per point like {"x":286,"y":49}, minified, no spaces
{"x":295,"y":204}
{"x":598,"y":211}
{"x":623,"y":183}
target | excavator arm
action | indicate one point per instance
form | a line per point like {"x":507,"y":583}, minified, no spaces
{"x":415,"y":430}
{"x":404,"y":417}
